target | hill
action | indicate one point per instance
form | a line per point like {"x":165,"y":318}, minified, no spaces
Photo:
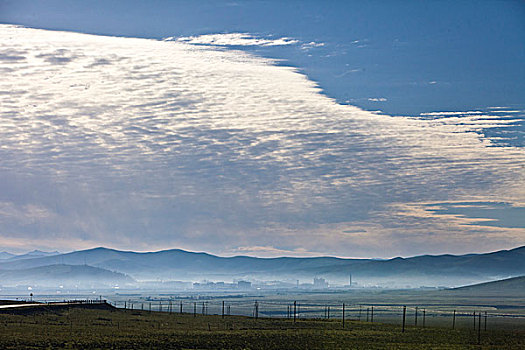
{"x":32,"y":254}
{"x":63,"y":275}
{"x":6,"y":255}
{"x":509,"y":286}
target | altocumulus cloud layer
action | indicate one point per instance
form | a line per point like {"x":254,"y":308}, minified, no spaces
{"x":145,"y":144}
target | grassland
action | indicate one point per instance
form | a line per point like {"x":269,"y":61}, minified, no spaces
{"x":129,"y":329}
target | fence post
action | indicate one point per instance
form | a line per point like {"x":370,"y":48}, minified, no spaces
{"x":404,"y":317}
{"x":294,"y":310}
{"x":479,"y":327}
{"x":372,"y":315}
{"x":328,"y":312}
{"x":367,"y":313}
{"x":343,"y":315}
{"x":359,"y":317}
{"x":424,"y":316}
{"x":474,"y":314}
{"x":485,"y":321}
{"x":194,"y":309}
{"x":223,"y":309}
{"x":150,"y":306}
{"x":415,"y":318}
{"x":454,"y":320}
{"x":181,"y":307}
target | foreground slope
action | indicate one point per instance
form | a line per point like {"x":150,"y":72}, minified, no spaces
{"x":87,"y":329}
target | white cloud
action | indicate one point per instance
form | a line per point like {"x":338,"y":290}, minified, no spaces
{"x":144,"y":144}
{"x":377,"y":99}
{"x":311,"y":45}
{"x":233,"y":39}
{"x":451,"y":113}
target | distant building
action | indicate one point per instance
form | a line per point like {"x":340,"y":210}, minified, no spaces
{"x":320,"y":283}
{"x":244,"y":285}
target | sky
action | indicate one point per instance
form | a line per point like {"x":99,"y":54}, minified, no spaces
{"x":262,"y":128}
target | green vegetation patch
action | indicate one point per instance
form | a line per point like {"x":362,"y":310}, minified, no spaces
{"x":126,"y":329}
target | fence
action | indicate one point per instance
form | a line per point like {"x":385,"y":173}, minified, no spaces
{"x":405,"y":316}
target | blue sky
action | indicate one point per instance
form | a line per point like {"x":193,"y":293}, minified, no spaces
{"x":420,"y":56}
{"x":239,"y":135}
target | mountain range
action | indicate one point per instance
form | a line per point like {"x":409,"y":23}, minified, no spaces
{"x":28,"y":255}
{"x":176,"y":264}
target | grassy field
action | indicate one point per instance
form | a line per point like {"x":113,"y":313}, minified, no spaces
{"x":128,"y":329}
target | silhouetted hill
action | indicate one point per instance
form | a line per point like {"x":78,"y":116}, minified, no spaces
{"x":6,"y":255}
{"x":509,"y":286}
{"x":66,"y":275}
{"x":33,"y":254}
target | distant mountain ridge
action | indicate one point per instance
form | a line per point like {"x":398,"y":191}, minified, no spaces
{"x":33,"y":254}
{"x":6,"y":255}
{"x":177,"y":264}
